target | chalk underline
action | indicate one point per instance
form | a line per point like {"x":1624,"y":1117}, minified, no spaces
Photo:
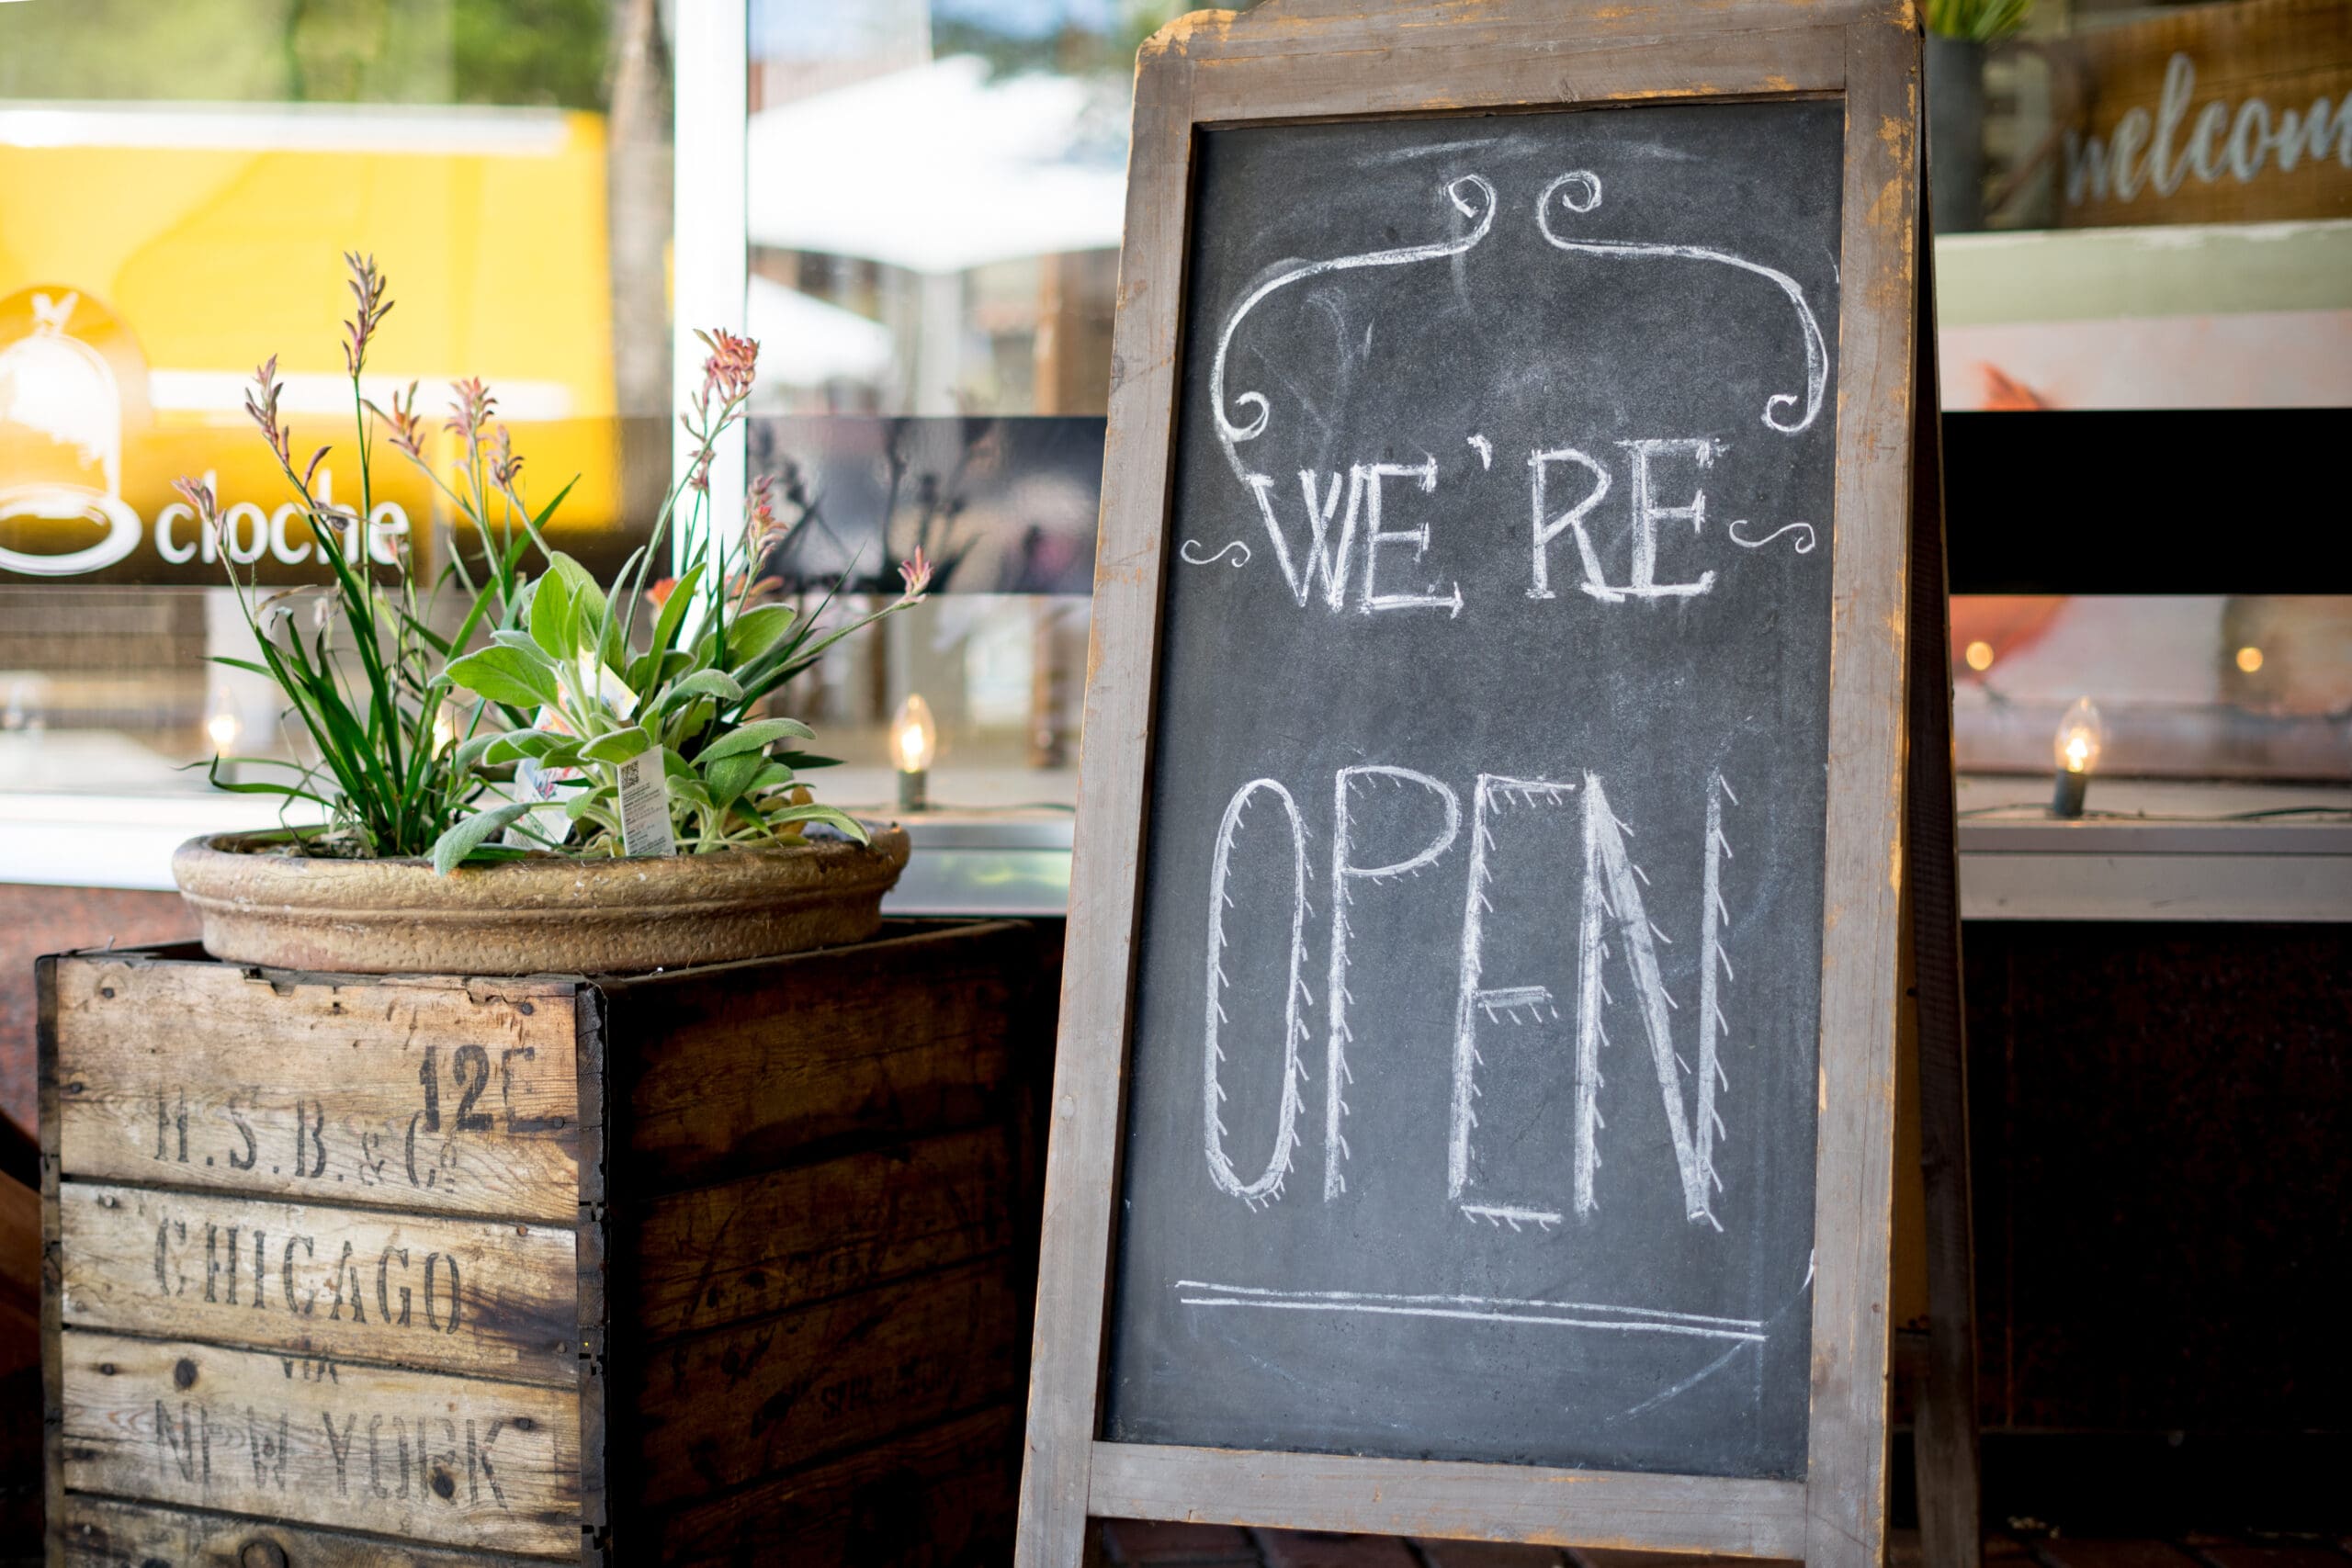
{"x":1477,"y":1309}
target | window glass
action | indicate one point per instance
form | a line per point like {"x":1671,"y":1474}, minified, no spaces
{"x":2137,"y":207}
{"x":937,"y":192}
{"x":178,"y":184}
{"x":2146,"y":207}
{"x":2250,"y":686}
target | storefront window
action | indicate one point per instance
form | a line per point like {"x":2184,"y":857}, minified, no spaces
{"x":2149,"y":207}
{"x":937,"y":192}
{"x":179,"y":186}
{"x":2136,"y":210}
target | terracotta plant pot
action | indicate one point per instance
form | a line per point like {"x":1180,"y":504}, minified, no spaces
{"x":544,"y":915}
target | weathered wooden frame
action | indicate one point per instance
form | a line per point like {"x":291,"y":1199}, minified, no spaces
{"x":1309,"y":60}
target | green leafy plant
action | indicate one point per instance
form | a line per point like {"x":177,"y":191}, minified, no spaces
{"x":370,"y":700}
{"x":685,"y":687}
{"x":1978,"y":21}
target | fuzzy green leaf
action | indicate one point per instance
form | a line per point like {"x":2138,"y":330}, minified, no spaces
{"x":453,"y":847}
{"x":753,"y":735}
{"x":689,"y":722}
{"x":551,"y":618}
{"x":673,"y":609}
{"x":617,"y":747}
{"x":505,"y":676}
{"x":775,"y":775}
{"x":518,"y":743}
{"x":703,"y":683}
{"x":730,"y":778}
{"x":588,"y":627}
{"x":828,"y":815}
{"x":756,"y":631}
{"x":522,"y":644}
{"x":580,"y":585}
{"x":470,"y":754}
{"x":587,"y":800}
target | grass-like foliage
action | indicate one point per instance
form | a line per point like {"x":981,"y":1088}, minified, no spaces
{"x":1979,"y":21}
{"x":358,"y":662}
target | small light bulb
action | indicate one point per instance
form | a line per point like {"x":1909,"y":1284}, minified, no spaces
{"x":1979,"y":656}
{"x":914,"y":739}
{"x":221,"y":725}
{"x":2249,"y":659}
{"x":2081,"y":737}
{"x":914,"y":736}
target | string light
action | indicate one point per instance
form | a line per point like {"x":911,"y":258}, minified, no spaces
{"x":2081,"y":737}
{"x":2249,"y":659}
{"x":1979,"y":656}
{"x":221,"y":725}
{"x":914,"y":739}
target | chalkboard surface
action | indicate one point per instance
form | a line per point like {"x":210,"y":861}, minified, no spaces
{"x":1472,"y":1092}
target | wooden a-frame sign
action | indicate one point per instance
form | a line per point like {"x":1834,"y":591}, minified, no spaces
{"x":1121,"y":1357}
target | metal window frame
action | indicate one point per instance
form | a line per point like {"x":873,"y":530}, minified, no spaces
{"x":709,"y":228}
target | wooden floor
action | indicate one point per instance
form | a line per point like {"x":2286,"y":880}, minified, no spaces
{"x":1130,"y":1542}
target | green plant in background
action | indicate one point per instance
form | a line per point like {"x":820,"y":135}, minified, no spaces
{"x":675,"y":713}
{"x":374,"y":708}
{"x":1978,"y":21}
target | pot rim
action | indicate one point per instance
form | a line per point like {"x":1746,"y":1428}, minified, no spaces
{"x":231,"y":870}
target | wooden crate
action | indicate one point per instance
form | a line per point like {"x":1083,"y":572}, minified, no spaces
{"x":729,"y":1264}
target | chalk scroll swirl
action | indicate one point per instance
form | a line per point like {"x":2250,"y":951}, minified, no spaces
{"x":1471,"y":196}
{"x":1238,"y":551}
{"x":1801,"y":536}
{"x":1579,"y":192}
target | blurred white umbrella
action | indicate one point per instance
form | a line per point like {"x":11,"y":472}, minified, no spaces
{"x":805,"y":342}
{"x":937,"y":169}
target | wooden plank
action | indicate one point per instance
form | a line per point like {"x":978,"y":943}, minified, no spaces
{"x":53,"y":1365}
{"x":1512,"y":69}
{"x":937,"y":1498}
{"x":106,"y":1532}
{"x":745,"y":1248}
{"x":493,"y":1298}
{"x":1338,"y":1491}
{"x":1951,"y":1508}
{"x":415,"y":1092}
{"x":1853,"y":1184}
{"x":593,"y":1254}
{"x":1302,"y":26}
{"x":1081,"y":1159}
{"x":729,"y":1407}
{"x":418,"y":1455}
{"x":735,"y":1068}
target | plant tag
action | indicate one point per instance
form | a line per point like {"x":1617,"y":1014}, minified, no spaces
{"x":532,"y":781}
{"x":645,"y":805}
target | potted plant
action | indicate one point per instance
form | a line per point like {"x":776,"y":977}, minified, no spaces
{"x":569,"y":780}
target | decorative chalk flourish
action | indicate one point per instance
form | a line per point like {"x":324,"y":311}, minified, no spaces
{"x":1579,"y":192}
{"x":1803,"y":532}
{"x":1237,"y":549}
{"x":1471,"y":196}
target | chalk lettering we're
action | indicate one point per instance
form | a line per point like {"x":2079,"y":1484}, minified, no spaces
{"x":1333,"y":551}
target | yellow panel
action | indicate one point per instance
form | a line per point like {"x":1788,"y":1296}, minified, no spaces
{"x":215,"y":259}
